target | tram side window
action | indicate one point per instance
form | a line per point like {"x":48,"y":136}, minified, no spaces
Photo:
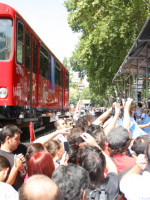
{"x":62,"y":78}
{"x":6,"y":27}
{"x":44,"y":63}
{"x":34,"y":57}
{"x":27,"y":51}
{"x":67,"y":81}
{"x":57,"y":73}
{"x":20,"y":42}
{"x":50,"y":69}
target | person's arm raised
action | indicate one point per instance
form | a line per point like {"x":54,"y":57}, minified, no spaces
{"x":114,"y":120}
{"x":44,"y":139}
{"x":126,"y":118}
{"x":102,"y":117}
{"x":144,"y":125}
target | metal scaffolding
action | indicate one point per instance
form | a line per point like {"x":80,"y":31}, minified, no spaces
{"x":135,"y":69}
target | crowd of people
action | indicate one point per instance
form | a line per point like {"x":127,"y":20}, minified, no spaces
{"x":104,"y":157}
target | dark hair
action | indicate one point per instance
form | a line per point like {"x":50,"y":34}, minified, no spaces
{"x":119,"y":150}
{"x":74,"y":134}
{"x":73,"y":151}
{"x":4,"y":163}
{"x":41,"y":163}
{"x":39,"y":187}
{"x":9,"y":130}
{"x":33,"y":148}
{"x":73,"y":146}
{"x":90,"y":119}
{"x":91,"y":128}
{"x":140,"y":144}
{"x":93,"y":160}
{"x":53,"y":145}
{"x":147,"y":153}
{"x":140,"y":104}
{"x":97,"y":132}
{"x":72,"y":181}
{"x":118,"y":140}
{"x":100,"y":138}
{"x":82,"y":123}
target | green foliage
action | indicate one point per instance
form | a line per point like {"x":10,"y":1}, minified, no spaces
{"x":96,"y":101}
{"x":109,"y":28}
{"x":66,"y":63}
{"x":74,"y":96}
{"x":86,"y":94}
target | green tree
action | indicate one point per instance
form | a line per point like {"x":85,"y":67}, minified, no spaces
{"x":86,"y":94}
{"x":74,"y":96}
{"x":109,"y":28}
{"x":66,"y":63}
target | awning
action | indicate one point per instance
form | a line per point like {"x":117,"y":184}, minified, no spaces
{"x":137,"y":60}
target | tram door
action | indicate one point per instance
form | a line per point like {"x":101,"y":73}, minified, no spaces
{"x":31,"y":66}
{"x":28,"y":66}
{"x":34,"y":66}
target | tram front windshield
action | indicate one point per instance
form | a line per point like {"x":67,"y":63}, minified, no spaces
{"x":6,"y":27}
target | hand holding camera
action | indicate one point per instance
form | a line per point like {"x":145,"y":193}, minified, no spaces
{"x":19,"y":160}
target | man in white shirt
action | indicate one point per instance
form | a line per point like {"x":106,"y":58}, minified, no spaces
{"x":7,"y":192}
{"x":135,"y":184}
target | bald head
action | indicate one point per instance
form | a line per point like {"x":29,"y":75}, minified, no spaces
{"x":39,"y":187}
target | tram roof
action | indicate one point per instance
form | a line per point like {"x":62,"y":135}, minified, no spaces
{"x":136,"y":61}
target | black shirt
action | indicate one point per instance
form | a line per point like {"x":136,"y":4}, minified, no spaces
{"x":22,"y":148}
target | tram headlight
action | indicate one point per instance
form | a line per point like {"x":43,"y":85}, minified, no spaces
{"x":3,"y":93}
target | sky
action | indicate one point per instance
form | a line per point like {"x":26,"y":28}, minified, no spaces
{"x":48,"y":18}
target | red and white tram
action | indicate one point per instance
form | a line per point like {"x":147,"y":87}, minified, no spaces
{"x":32,"y":79}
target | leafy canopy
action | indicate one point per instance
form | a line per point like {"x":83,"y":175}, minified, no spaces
{"x":108,"y":29}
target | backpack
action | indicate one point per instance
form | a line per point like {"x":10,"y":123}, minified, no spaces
{"x":97,"y":194}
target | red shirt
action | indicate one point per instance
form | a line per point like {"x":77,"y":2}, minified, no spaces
{"x":106,"y":149}
{"x":123,"y":162}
